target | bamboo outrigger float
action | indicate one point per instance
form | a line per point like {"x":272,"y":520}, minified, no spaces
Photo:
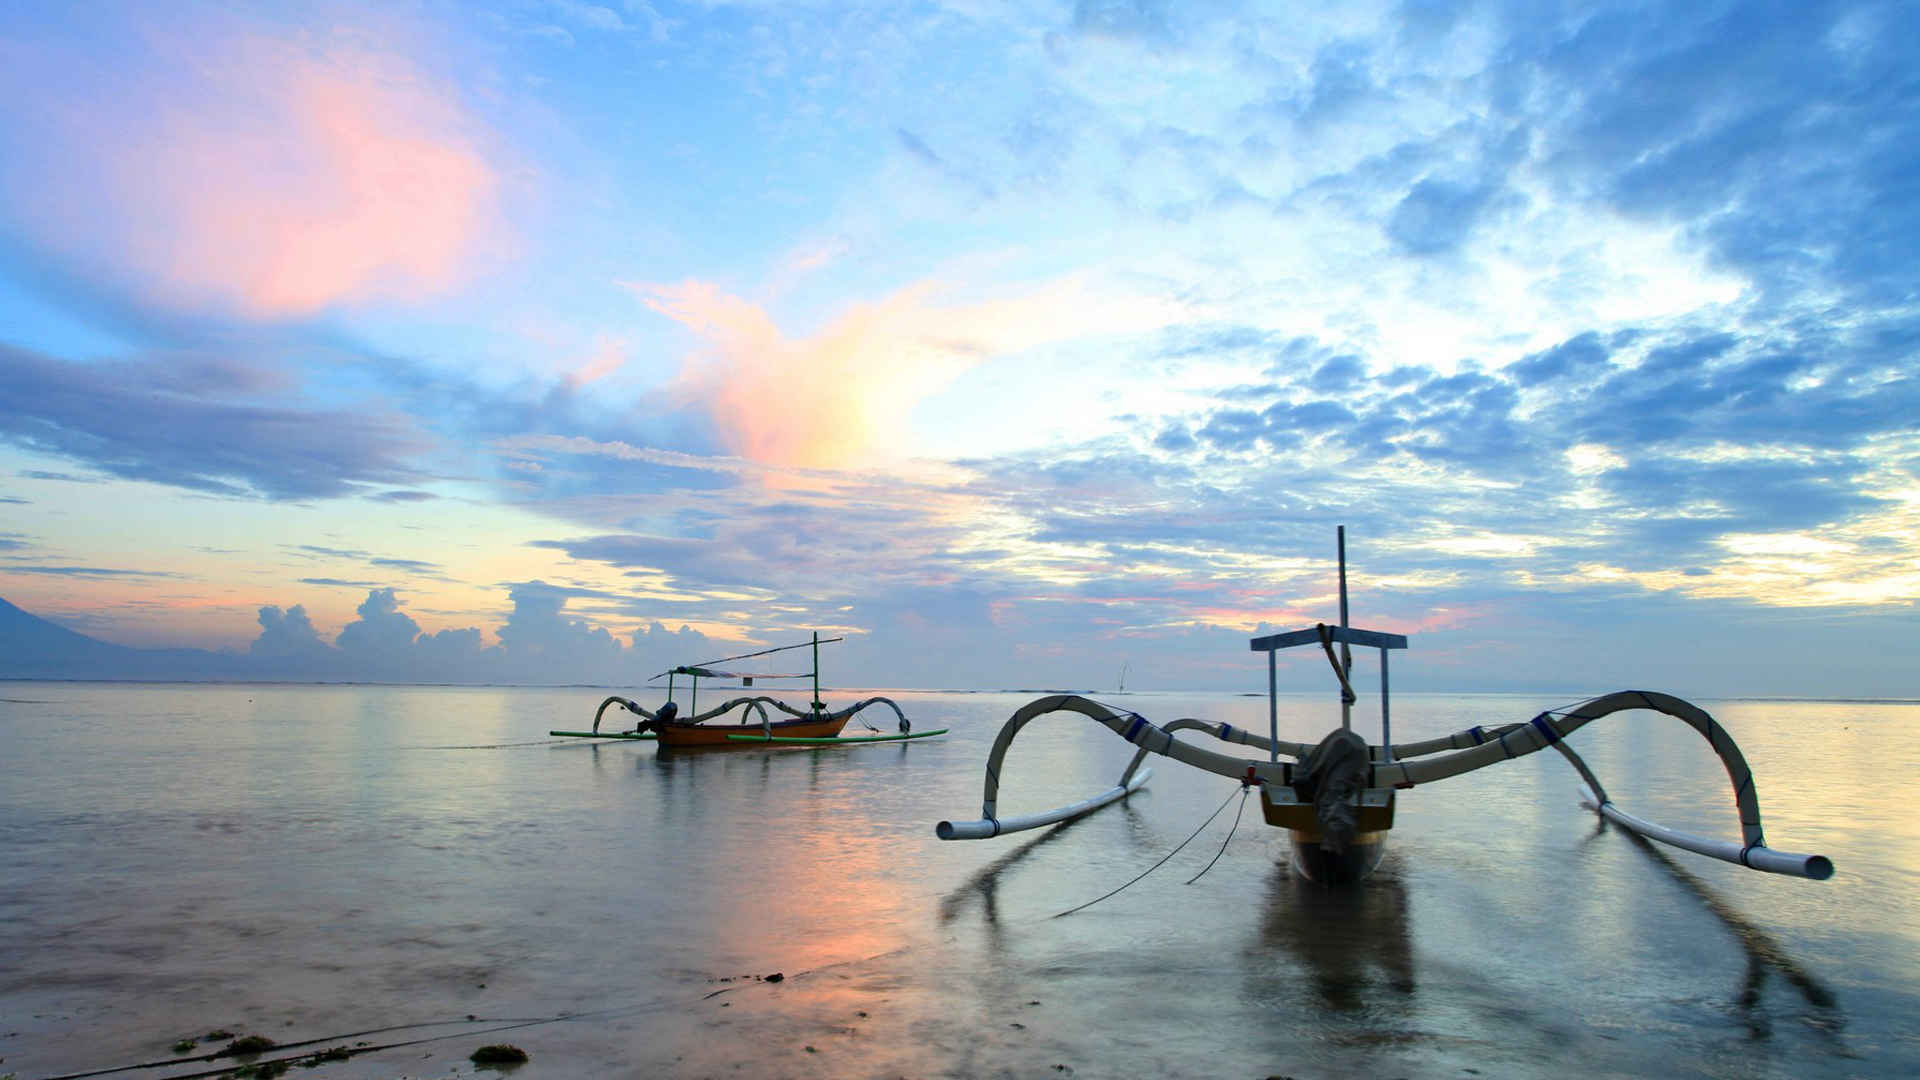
{"x":1336,"y":798}
{"x":817,"y":726}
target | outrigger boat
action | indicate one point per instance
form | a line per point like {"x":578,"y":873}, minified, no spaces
{"x":1336,"y":798}
{"x":817,"y":726}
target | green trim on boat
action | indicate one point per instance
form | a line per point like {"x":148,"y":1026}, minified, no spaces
{"x":604,"y":734}
{"x":828,"y":741}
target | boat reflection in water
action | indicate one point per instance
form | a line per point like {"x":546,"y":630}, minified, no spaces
{"x":1352,"y":945}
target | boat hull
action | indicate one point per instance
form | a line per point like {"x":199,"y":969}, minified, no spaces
{"x":1316,"y":861}
{"x":681,"y":736}
{"x":1322,"y":865}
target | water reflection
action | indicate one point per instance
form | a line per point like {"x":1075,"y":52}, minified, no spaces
{"x":984,"y":884}
{"x":1350,"y":942}
{"x":1764,"y":954}
{"x":360,"y":889}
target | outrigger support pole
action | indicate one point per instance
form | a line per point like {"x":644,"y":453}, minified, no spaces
{"x":1273,"y":709}
{"x":1386,"y":724}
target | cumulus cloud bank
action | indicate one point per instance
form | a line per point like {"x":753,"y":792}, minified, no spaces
{"x":537,"y":644}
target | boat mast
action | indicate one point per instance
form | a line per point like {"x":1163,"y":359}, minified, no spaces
{"x":817,"y":703}
{"x":1323,"y":636}
{"x":1346,"y":651}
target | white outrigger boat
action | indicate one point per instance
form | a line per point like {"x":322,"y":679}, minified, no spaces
{"x":1336,"y":798}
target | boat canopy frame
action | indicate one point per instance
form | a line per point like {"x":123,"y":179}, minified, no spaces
{"x":706,"y":669}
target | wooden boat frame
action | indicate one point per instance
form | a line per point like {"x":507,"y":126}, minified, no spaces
{"x":1388,"y":767}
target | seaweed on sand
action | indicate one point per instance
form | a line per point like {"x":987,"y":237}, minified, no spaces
{"x":248,"y":1044}
{"x":498,"y":1054}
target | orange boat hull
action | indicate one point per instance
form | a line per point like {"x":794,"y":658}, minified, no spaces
{"x":685,"y":735}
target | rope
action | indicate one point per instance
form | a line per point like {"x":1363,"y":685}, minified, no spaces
{"x":492,"y":746}
{"x":1339,"y":672}
{"x":1163,"y":858}
{"x":508,"y":1022}
{"x":1244,"y":788}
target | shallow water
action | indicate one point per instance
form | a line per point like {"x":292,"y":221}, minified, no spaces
{"x":312,"y":863}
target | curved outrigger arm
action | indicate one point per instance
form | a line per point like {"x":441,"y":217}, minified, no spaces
{"x":1518,"y":740}
{"x":624,"y":703}
{"x":1225,"y":733}
{"x":648,"y":717}
{"x":1132,"y":727}
{"x":836,"y":714}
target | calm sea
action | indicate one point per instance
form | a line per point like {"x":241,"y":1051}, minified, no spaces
{"x":317,"y":864}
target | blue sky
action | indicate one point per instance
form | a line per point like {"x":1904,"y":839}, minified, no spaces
{"x":1014,"y":341}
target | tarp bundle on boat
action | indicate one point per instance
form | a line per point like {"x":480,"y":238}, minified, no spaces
{"x":1331,"y":779}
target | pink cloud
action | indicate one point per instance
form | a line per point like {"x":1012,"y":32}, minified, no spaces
{"x":608,"y":355}
{"x":267,"y":175}
{"x":843,"y":396}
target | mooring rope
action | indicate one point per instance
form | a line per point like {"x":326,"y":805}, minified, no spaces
{"x":1163,"y":859}
{"x":1244,"y":790}
{"x":509,"y":1022}
{"x":492,"y":746}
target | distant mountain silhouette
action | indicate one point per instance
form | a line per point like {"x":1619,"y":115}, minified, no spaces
{"x":33,"y":648}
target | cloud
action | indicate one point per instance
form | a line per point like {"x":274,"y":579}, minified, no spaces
{"x":454,"y":655}
{"x":592,"y":15}
{"x":1751,"y":125}
{"x":235,"y":169}
{"x":536,"y":634}
{"x":946,"y":171}
{"x":87,"y":571}
{"x":60,"y":477}
{"x":561,"y":465}
{"x":287,"y":635}
{"x":842,"y":396}
{"x":413,"y":566}
{"x":382,"y":630}
{"x":1436,"y":217}
{"x":197,"y":426}
{"x":655,"y":640}
{"x":1143,"y":20}
{"x":1580,"y":358}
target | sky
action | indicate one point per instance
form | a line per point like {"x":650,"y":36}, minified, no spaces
{"x":1017,"y":343}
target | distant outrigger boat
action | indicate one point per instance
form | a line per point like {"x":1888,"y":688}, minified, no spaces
{"x":815,"y":727}
{"x":1336,"y":798}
